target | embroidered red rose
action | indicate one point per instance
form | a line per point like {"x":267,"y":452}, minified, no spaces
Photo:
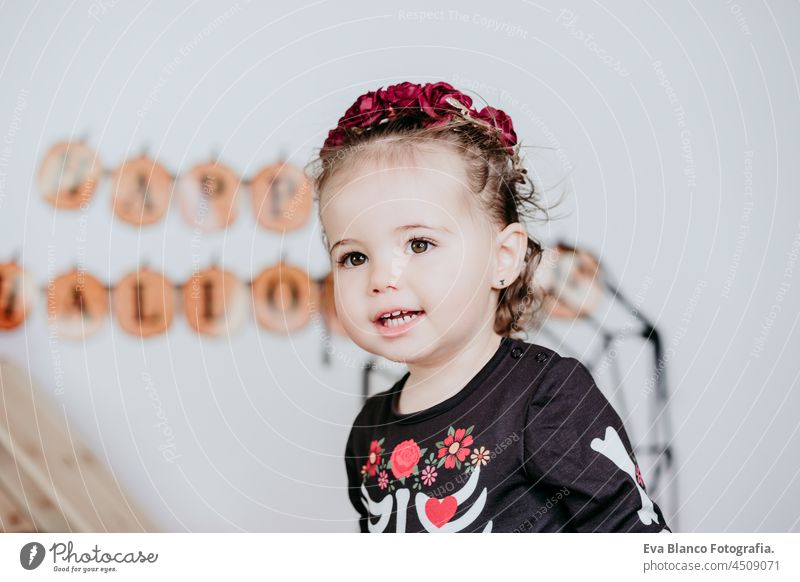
{"x":374,"y":458}
{"x":456,"y":447}
{"x":405,"y":457}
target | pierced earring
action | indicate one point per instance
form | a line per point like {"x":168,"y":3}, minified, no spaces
{"x":502,"y":282}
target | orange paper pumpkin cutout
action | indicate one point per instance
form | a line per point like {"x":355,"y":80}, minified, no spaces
{"x":208,"y":196}
{"x":141,"y":189}
{"x":215,"y":301}
{"x":77,"y":304}
{"x":17,"y":294}
{"x":144,"y":303}
{"x":68,"y":174}
{"x":281,"y":196}
{"x":284,"y":297}
{"x":328,"y":306}
{"x":570,"y":279}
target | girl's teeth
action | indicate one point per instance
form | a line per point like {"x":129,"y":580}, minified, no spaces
{"x":395,"y":321}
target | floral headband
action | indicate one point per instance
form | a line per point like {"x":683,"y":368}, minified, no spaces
{"x":435,"y":102}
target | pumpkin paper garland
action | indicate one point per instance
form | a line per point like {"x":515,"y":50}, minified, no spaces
{"x":208,"y":196}
{"x":214,"y":301}
{"x":17,"y":294}
{"x":281,"y":197}
{"x":68,"y":174}
{"x":144,"y":303}
{"x":283,"y":298}
{"x":77,"y":304}
{"x":141,"y":189}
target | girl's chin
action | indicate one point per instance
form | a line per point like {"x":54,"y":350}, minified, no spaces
{"x":407,"y":351}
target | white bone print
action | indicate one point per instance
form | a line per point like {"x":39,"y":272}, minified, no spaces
{"x":613,"y":448}
{"x":383,"y":508}
{"x":450,"y":504}
{"x":402,"y":496}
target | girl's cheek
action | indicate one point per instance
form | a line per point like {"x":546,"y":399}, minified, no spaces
{"x":451,"y":267}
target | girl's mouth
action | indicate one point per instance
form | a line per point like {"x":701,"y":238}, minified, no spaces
{"x":399,"y":324}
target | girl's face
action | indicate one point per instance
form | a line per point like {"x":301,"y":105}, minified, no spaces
{"x":410,"y":238}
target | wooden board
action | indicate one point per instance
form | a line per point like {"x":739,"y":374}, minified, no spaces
{"x":49,"y":474}
{"x":12,"y":519}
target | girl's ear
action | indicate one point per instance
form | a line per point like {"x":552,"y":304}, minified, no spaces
{"x":510,"y":247}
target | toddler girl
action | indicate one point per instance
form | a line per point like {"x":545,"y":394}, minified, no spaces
{"x":421,"y":199}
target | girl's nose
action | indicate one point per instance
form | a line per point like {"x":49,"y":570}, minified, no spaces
{"x":381,"y":278}
{"x":387,"y":272}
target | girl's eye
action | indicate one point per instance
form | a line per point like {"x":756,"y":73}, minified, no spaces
{"x":343,"y":260}
{"x":420,"y":245}
{"x":356,"y":259}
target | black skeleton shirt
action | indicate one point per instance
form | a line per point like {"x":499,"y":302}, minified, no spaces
{"x":530,"y":444}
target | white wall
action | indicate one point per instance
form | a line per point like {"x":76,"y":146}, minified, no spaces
{"x":258,"y":421}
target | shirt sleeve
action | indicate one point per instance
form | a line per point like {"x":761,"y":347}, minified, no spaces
{"x":354,"y":479}
{"x":575,"y":441}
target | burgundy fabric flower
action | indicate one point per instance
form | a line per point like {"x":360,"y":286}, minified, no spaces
{"x":499,"y":119}
{"x":336,"y":137}
{"x":367,"y":109}
{"x":402,"y":95}
{"x":432,"y":99}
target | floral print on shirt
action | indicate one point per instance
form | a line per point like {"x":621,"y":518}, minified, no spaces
{"x":456,"y":452}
